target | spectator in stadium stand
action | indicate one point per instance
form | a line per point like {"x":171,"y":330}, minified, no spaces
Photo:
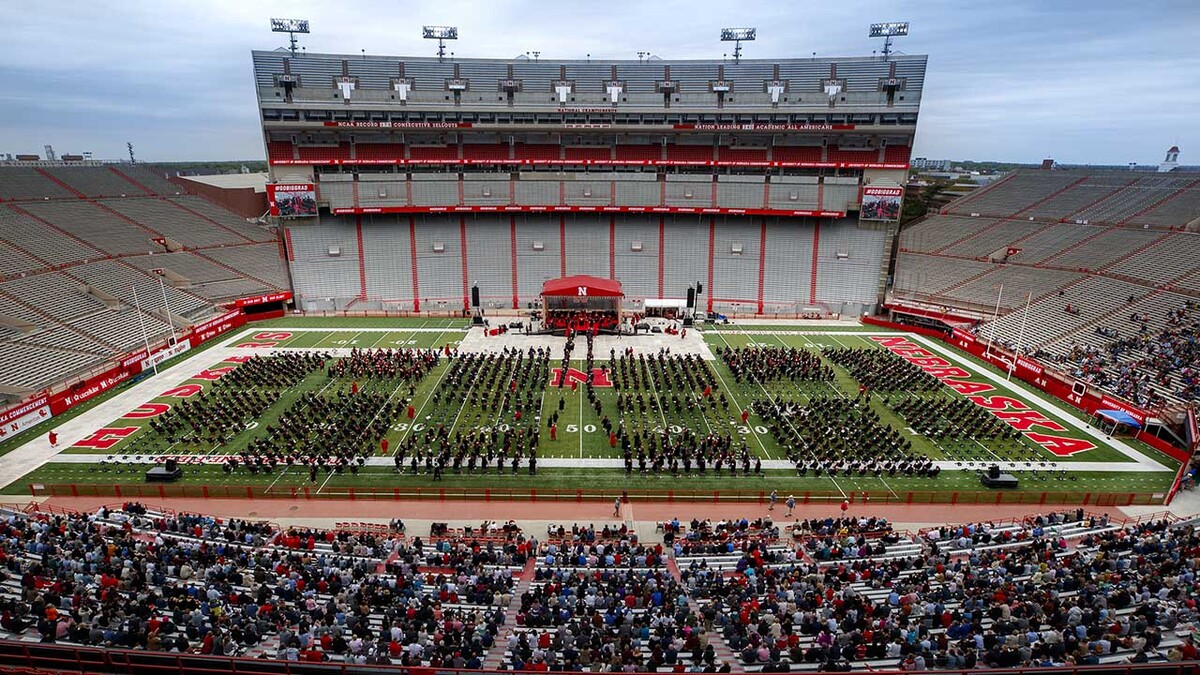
{"x":1032,"y":602}
{"x":1016,"y":596}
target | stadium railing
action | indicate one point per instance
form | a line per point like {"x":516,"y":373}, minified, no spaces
{"x":68,"y":659}
{"x":530,"y":494}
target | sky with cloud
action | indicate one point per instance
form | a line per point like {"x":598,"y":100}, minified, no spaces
{"x":1098,"y":82}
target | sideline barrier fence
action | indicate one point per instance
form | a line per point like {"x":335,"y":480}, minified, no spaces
{"x":69,"y":659}
{"x":503,"y":494}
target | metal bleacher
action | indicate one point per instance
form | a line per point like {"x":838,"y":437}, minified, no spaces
{"x":848,"y":263}
{"x":257,"y":261}
{"x":1017,"y":283}
{"x":1106,"y":244}
{"x":97,"y":227}
{"x":1048,"y":321}
{"x":27,"y":367}
{"x":92,"y":183}
{"x":14,"y":261}
{"x":54,"y":294}
{"x":28,"y":183}
{"x":1013,"y":194}
{"x":224,"y":218}
{"x":119,"y":280}
{"x":48,"y":245}
{"x":173,"y":222}
{"x":75,"y":241}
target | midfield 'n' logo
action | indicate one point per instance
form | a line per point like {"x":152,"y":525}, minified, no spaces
{"x":599,"y":377}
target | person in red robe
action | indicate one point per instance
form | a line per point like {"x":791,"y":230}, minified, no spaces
{"x":745,"y":416}
{"x":354,"y":387}
{"x":411,"y":412}
{"x":383,"y":446}
{"x":554,"y":432}
{"x":53,"y":436}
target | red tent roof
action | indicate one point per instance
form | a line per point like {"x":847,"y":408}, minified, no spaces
{"x":582,"y":284}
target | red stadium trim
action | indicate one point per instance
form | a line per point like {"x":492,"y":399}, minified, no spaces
{"x":589,"y":162}
{"x":588,"y":209}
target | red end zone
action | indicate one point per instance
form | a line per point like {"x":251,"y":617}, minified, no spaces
{"x":1012,"y":411}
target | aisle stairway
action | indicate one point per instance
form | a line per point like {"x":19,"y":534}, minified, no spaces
{"x":721,"y":649}
{"x":495,"y":656}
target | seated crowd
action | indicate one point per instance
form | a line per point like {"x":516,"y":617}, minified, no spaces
{"x":1059,"y":589}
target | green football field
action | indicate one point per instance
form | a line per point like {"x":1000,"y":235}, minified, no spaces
{"x":580,"y":434}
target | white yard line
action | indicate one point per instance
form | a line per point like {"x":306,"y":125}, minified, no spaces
{"x":281,"y":475}
{"x":326,"y":481}
{"x":462,"y":407}
{"x":740,"y":407}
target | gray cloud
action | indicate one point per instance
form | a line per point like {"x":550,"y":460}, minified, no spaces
{"x":1096,"y":82}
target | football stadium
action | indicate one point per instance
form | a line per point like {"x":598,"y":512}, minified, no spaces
{"x":595,"y":365}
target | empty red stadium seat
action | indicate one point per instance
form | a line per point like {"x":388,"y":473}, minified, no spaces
{"x":784,"y":153}
{"x":379,"y":152}
{"x":868,"y":156}
{"x":690,"y":153}
{"x":592,"y":153}
{"x":531,"y":151}
{"x":639,"y":153}
{"x":479,"y":152}
{"x":433,"y":152}
{"x":279,"y":150}
{"x":324,"y":153}
{"x":742,"y":154}
{"x":896,"y":154}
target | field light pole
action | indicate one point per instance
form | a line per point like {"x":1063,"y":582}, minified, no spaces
{"x":441,"y":34}
{"x":142,"y":322}
{"x":737,"y":36}
{"x":887,"y":31}
{"x":291,"y":27}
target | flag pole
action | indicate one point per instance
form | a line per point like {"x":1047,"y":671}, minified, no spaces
{"x":1020,"y":337}
{"x":142,"y":322}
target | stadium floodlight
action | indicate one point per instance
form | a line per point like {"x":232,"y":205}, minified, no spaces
{"x":291,"y":27}
{"x":441,"y":34}
{"x":887,"y":31}
{"x":737,"y":36}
